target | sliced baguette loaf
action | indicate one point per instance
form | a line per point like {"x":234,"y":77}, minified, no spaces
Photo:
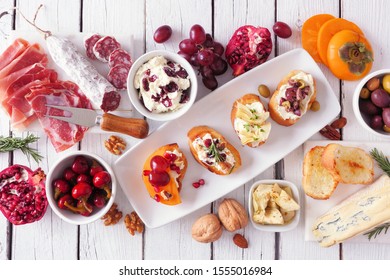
{"x":348,"y":165}
{"x":317,"y":181}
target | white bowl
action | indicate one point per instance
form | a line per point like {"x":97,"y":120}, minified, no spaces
{"x":363,"y":119}
{"x":134,"y":94}
{"x":275,"y":228}
{"x":56,"y":171}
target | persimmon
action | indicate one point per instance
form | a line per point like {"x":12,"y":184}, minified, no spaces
{"x":349,"y":55}
{"x":310,"y":31}
{"x":328,"y":30}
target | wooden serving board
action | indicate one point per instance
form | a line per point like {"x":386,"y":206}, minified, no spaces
{"x":315,"y":208}
{"x":125,"y":108}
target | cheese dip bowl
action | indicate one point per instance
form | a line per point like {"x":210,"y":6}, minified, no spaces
{"x":162,"y":85}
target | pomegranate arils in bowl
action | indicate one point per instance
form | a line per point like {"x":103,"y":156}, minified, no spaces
{"x":22,"y":194}
{"x":249,"y":47}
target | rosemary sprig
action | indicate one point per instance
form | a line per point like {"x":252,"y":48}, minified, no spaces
{"x":382,"y":160}
{"x":214,"y":151}
{"x":9,"y":144}
{"x":377,"y":231}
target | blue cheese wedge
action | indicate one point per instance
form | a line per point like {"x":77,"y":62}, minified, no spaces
{"x":357,"y":214}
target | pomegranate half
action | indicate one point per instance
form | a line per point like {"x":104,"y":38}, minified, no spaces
{"x":22,"y":194}
{"x":249,"y":46}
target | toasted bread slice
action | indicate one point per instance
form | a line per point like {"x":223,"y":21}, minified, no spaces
{"x":218,"y":156}
{"x":290,"y":118}
{"x":169,"y":194}
{"x":248,"y":117}
{"x":317,"y":182}
{"x":349,"y":165}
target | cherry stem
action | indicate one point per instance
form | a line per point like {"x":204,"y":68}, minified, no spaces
{"x":108,"y":190}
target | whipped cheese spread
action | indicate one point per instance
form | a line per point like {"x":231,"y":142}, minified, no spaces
{"x":303,"y":104}
{"x":163,"y":85}
{"x":178,"y":162}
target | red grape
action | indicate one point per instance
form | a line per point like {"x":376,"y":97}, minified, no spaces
{"x":218,"y":48}
{"x":209,"y":42}
{"x":282,"y":29}
{"x":185,"y":56}
{"x":210,"y":83}
{"x":205,"y":57}
{"x":219,"y":66}
{"x":197,"y":34}
{"x":194,"y":60}
{"x":159,"y":178}
{"x":158,"y":163}
{"x":206,"y":72}
{"x":187,"y":46}
{"x":162,"y":34}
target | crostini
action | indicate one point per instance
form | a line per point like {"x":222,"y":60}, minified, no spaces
{"x":292,"y":98}
{"x":249,"y":119}
{"x":213,"y":151}
{"x":163,"y":173}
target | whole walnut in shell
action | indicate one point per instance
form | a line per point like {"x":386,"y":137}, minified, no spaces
{"x":207,"y":228}
{"x":232,"y":214}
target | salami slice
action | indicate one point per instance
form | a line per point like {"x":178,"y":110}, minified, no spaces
{"x":120,"y":57}
{"x":104,"y":47}
{"x":89,"y":44}
{"x":118,"y":76}
{"x":111,"y":101}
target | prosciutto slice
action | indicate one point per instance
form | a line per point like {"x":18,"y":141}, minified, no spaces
{"x":62,"y":134}
{"x":12,"y":52}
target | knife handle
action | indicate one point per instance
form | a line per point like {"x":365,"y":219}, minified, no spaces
{"x":137,"y":128}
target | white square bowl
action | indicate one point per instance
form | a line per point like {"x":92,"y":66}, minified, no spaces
{"x":275,"y":228}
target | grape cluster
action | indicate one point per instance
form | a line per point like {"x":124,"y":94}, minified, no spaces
{"x":204,"y":53}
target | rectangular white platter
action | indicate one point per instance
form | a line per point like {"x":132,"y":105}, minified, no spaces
{"x":214,"y":111}
{"x":315,"y":208}
{"x":125,"y":108}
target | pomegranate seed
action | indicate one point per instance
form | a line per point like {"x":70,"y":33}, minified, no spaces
{"x":156,"y":189}
{"x":146,"y":172}
{"x":196,"y":185}
{"x":207,"y":143}
{"x":201,"y":182}
{"x":157,"y":198}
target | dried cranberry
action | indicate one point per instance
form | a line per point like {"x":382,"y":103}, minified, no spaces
{"x":171,"y":64}
{"x":207,"y":143}
{"x":153,"y":78}
{"x":185,"y":96}
{"x":167,"y":102}
{"x":145,"y":84}
{"x":170,"y":72}
{"x":182,"y":73}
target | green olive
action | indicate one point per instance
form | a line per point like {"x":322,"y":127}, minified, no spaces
{"x":386,"y":83}
{"x":315,"y":106}
{"x":365,"y":93}
{"x":264,"y":91}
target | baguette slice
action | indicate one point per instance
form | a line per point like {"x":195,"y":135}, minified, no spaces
{"x":274,"y":102}
{"x":348,"y":165}
{"x":175,"y":184}
{"x":317,"y":181}
{"x":250,"y":125}
{"x":196,"y":137}
{"x":359,"y":213}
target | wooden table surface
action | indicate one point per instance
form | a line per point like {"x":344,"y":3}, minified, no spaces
{"x":52,"y":238}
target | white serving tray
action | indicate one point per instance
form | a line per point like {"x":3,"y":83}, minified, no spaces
{"x":214,"y":111}
{"x":315,"y":208}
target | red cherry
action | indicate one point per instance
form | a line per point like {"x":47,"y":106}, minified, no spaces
{"x":66,"y":198}
{"x":95,"y":168}
{"x":99,"y":200}
{"x":69,"y":175}
{"x":101,"y":178}
{"x":84,"y":178}
{"x":81,"y":190}
{"x":62,"y":185}
{"x":80,"y":165}
{"x":159,"y":163}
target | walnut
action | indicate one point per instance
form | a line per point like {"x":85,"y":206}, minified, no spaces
{"x":112,"y":216}
{"x":207,"y":228}
{"x":232,"y":214}
{"x":115,"y":145}
{"x":133,"y":223}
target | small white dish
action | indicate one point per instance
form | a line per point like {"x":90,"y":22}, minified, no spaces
{"x":134,"y":93}
{"x":275,"y":228}
{"x":362,"y":118}
{"x":56,"y":171}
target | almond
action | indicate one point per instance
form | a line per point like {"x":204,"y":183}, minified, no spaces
{"x":339,"y":123}
{"x":240,"y":241}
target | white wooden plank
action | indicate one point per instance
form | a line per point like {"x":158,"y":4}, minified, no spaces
{"x":370,"y":16}
{"x":294,"y":13}
{"x":5,"y":27}
{"x":47,"y":238}
{"x":96,"y":240}
{"x":180,"y":15}
{"x":228,"y":16}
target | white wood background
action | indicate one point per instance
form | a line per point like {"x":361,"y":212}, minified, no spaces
{"x":51,"y":238}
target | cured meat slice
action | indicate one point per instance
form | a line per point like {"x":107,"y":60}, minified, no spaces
{"x":120,"y":57}
{"x":118,"y":76}
{"x":33,"y":54}
{"x":111,"y":101}
{"x":89,"y":44}
{"x":13,"y":51}
{"x":104,"y":47}
{"x":62,"y":135}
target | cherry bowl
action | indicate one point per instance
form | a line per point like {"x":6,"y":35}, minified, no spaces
{"x":134,"y":93}
{"x":370,"y":116}
{"x":57,"y":172}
